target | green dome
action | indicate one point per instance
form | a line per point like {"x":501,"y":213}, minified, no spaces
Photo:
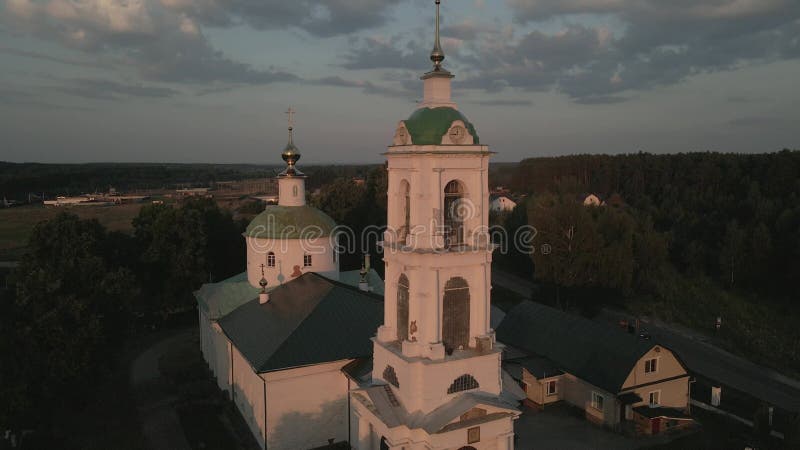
{"x":290,"y":222}
{"x":427,"y":125}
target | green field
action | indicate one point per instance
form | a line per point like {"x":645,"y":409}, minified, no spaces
{"x":16,"y":224}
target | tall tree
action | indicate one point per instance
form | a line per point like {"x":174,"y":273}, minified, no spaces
{"x":568,"y":250}
{"x":733,"y":252}
{"x":71,"y":307}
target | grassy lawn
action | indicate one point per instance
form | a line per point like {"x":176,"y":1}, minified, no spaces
{"x":16,"y":224}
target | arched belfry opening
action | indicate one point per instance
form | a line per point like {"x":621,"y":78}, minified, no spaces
{"x":402,"y":308}
{"x":455,"y":213}
{"x":455,"y":314}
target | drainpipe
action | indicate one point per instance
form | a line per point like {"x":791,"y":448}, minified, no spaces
{"x":349,"y":413}
{"x":230,"y":383}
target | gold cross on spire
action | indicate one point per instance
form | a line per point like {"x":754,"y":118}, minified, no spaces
{"x":290,"y":112}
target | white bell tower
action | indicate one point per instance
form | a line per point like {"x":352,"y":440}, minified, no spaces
{"x":436,"y":344}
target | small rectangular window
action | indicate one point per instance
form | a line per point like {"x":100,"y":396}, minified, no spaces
{"x":473,"y":435}
{"x":271,"y":259}
{"x":597,"y":401}
{"x":552,"y":388}
{"x":655,"y":398}
{"x":651,"y":365}
{"x":306,"y":260}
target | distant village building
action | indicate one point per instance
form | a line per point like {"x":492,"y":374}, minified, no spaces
{"x":590,"y":199}
{"x":193,"y":192}
{"x":112,"y":198}
{"x":501,"y":203}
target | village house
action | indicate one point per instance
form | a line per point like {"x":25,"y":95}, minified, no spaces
{"x":501,"y":203}
{"x":587,"y":199}
{"x":618,"y":379}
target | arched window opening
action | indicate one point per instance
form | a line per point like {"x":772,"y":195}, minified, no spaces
{"x":455,"y":211}
{"x":306,"y":260}
{"x":455,"y":315}
{"x":402,"y":308}
{"x":294,"y":190}
{"x":391,"y":376}
{"x":405,"y":228}
{"x":271,"y":259}
{"x":465,"y":382}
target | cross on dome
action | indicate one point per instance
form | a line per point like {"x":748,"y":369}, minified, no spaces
{"x":290,"y":112}
{"x":290,"y":153}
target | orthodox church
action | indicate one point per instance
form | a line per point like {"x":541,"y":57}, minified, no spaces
{"x":313,"y":356}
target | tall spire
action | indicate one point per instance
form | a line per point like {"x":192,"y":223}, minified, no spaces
{"x":437,"y":55}
{"x":290,"y":153}
{"x":437,"y":82}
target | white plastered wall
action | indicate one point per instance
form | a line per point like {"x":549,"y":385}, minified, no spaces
{"x":289,"y":259}
{"x":307,"y":406}
{"x":248,"y":395}
{"x":367,"y":431}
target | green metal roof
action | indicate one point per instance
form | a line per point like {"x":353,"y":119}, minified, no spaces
{"x":309,"y":320}
{"x":427,"y":125}
{"x":594,"y":352}
{"x":290,"y":222}
{"x":218,"y":299}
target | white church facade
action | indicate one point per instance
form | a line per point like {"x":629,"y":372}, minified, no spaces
{"x":312,"y":356}
{"x":310,"y":360}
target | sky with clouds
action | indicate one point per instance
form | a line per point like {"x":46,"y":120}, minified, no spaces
{"x":209,"y":80}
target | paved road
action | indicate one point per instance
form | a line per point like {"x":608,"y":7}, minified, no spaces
{"x":160,"y":422}
{"x":556,"y":427}
{"x":709,"y":361}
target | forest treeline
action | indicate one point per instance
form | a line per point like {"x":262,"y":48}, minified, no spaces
{"x":689,"y":237}
{"x":17,"y":180}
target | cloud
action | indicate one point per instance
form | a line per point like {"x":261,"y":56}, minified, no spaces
{"x":660,"y":43}
{"x":99,"y":89}
{"x":367,"y":87}
{"x":466,"y":31}
{"x":386,"y":53}
{"x":601,"y":100}
{"x":56,"y":59}
{"x":760,"y":122}
{"x":21,"y":97}
{"x":321,"y":18}
{"x":162,"y":39}
{"x":503,"y":102}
